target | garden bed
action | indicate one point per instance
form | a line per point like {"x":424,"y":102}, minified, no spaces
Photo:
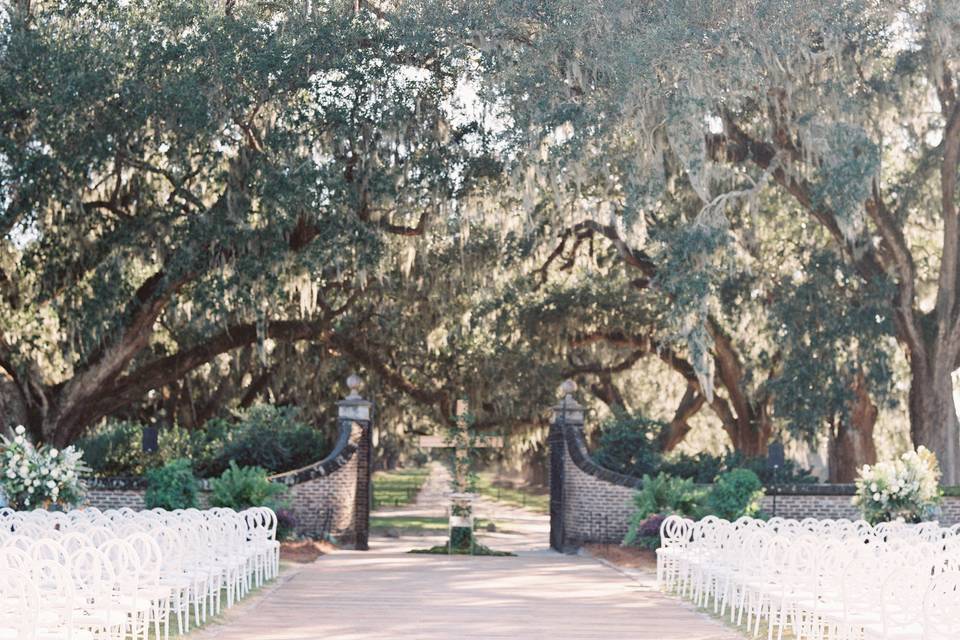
{"x":624,"y":557}
{"x":304,"y":551}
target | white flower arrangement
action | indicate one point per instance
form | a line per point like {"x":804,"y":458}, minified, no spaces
{"x":907,"y":488}
{"x":33,"y":477}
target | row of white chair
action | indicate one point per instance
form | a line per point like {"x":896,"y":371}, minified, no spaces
{"x":112,"y":574}
{"x":833,"y":579}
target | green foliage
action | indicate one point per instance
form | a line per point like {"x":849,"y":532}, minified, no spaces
{"x":244,"y":168}
{"x":115,"y":449}
{"x":262,"y":436}
{"x":477,"y":550}
{"x":662,"y":495}
{"x":788,"y":473}
{"x":629,"y":445}
{"x":703,"y":468}
{"x":130,"y":150}
{"x":172,"y":486}
{"x":734,"y":494}
{"x":832,"y":329}
{"x":244,"y":487}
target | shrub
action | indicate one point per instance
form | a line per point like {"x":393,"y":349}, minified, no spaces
{"x":662,"y":495}
{"x":703,"y":468}
{"x":734,"y":494}
{"x":647,"y":533}
{"x":265,"y":436}
{"x":667,"y":495}
{"x":788,"y":473}
{"x":243,"y":487}
{"x":286,"y":523}
{"x":628,"y":445}
{"x":631,"y":445}
{"x":172,"y":486}
{"x":907,"y":488}
{"x":115,"y":449}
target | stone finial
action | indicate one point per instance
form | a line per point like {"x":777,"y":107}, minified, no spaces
{"x":353,"y":383}
{"x":569,"y":410}
{"x":354,"y":406}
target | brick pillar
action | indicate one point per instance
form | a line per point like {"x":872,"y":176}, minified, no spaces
{"x":568,"y":414}
{"x":356,"y":411}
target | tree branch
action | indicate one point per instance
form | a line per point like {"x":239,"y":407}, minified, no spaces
{"x":433,"y":397}
{"x":599,"y":369}
{"x":739,"y":146}
{"x":690,"y":404}
{"x":131,"y":387}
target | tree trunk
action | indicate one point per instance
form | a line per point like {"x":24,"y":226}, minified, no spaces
{"x":851,"y":439}
{"x":12,"y":409}
{"x":751,"y":437}
{"x":679,"y":426}
{"x":933,"y":417}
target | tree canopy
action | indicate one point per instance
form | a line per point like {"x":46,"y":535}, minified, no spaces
{"x":740,"y":213}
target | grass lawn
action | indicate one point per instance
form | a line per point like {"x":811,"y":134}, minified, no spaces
{"x":533,"y":499}
{"x":397,"y":487}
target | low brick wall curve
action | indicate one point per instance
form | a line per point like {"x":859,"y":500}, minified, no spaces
{"x":324,"y":496}
{"x":591,"y":504}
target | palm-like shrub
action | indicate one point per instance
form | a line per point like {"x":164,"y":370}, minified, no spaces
{"x":661,"y":495}
{"x":244,"y":487}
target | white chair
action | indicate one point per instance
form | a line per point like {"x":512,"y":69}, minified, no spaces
{"x":19,"y":605}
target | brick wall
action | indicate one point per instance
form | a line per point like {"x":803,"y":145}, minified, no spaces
{"x":799,"y":507}
{"x":326,"y":504}
{"x":323,"y":496}
{"x":104,"y":499}
{"x":595,"y":504}
{"x":834,"y":501}
{"x":595,"y":510}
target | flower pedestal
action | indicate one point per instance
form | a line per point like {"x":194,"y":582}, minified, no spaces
{"x":460,"y":528}
{"x":39,"y":477}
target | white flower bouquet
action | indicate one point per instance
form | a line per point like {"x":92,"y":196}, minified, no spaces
{"x":907,"y":488}
{"x":39,"y":477}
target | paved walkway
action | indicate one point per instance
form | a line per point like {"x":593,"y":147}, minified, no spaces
{"x":386,"y":593}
